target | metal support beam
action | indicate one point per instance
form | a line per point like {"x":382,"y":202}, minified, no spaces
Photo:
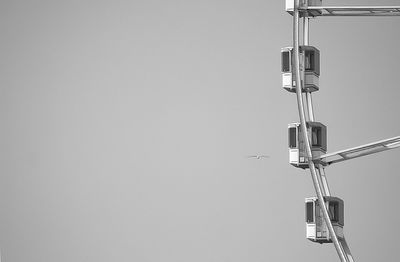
{"x":346,"y":249}
{"x":306,"y":31}
{"x":324,"y":180}
{"x":310,"y":107}
{"x":306,"y":41}
{"x":350,"y":10}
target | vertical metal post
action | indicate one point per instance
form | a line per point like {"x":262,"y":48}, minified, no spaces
{"x":307,"y":112}
{"x":300,"y":105}
{"x":319,"y":176}
{"x":306,"y":26}
{"x":310,"y":107}
{"x":324,"y":180}
{"x":306,"y":40}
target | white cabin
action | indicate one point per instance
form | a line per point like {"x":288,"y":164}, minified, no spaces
{"x":316,"y":228}
{"x":297,"y":147}
{"x":309,"y":68}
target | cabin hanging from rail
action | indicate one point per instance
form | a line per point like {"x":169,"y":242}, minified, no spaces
{"x":309,"y":68}
{"x":297,"y":147}
{"x":316,"y":228}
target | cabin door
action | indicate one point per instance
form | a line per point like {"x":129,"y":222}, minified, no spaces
{"x":320,"y":223}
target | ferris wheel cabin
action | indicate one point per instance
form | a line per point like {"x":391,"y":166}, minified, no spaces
{"x":297,"y":146}
{"x":316,"y":228}
{"x":309,"y":65}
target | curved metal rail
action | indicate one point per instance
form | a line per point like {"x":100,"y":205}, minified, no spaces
{"x":340,"y":247}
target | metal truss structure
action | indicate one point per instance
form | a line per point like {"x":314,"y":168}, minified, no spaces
{"x":351,"y":10}
{"x":302,"y":10}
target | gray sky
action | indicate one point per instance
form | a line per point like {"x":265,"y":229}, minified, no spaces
{"x":125,"y":126}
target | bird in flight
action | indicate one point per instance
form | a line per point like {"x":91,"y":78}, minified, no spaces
{"x":259,"y":157}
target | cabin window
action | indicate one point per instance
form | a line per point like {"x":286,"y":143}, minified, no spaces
{"x":309,"y":60}
{"x":316,"y":136}
{"x":334,"y":211}
{"x":292,"y":137}
{"x":286,"y":61}
{"x":310,"y":212}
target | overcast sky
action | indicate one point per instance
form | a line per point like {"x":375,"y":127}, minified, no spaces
{"x":125,"y":127}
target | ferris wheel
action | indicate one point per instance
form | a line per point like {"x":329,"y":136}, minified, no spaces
{"x":308,"y":138}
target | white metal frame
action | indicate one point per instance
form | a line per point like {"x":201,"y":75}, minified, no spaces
{"x":351,"y":10}
{"x":316,"y":166}
{"x":359,"y":151}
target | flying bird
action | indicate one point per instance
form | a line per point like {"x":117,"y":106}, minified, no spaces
{"x":259,"y":157}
